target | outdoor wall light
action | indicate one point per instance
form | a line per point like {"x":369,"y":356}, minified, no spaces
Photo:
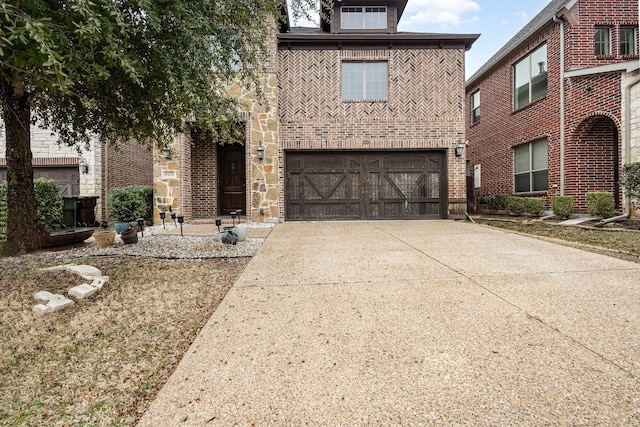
{"x":459,"y":149}
{"x":260,"y":152}
{"x":84,"y":167}
{"x":141,"y":225}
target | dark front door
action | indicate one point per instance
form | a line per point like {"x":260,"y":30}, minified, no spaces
{"x":232,"y":179}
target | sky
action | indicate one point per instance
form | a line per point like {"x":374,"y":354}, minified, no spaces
{"x":495,"y":20}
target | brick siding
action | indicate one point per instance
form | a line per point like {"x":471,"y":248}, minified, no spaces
{"x":592,"y":111}
{"x":131,"y":164}
{"x":424,"y":109}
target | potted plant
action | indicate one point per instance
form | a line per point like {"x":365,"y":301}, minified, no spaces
{"x":126,"y":204}
{"x":129,"y":236}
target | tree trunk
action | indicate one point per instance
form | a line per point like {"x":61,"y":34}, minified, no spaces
{"x":22,"y":234}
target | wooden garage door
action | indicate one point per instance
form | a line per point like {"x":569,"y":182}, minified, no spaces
{"x":67,"y":177}
{"x":356,"y":185}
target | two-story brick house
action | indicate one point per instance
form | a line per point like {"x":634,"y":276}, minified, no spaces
{"x":364,"y":122}
{"x":555,"y":104}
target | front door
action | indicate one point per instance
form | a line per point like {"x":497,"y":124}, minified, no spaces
{"x":232,"y":179}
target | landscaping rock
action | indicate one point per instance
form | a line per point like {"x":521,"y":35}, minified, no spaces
{"x":52,"y":302}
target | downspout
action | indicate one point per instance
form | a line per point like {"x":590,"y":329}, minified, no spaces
{"x":562,"y":110}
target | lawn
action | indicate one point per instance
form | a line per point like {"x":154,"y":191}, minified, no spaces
{"x":102,"y":361}
{"x":619,"y":242}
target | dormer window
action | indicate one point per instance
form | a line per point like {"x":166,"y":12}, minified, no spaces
{"x":363,"y":18}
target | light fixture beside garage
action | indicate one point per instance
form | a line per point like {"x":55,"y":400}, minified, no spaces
{"x":84,"y":167}
{"x":260,"y":152}
{"x":459,"y":149}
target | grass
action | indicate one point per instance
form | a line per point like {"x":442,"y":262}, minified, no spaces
{"x":620,"y":243}
{"x":102,"y":361}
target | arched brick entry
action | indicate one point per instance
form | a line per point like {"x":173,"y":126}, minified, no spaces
{"x":593,"y":160}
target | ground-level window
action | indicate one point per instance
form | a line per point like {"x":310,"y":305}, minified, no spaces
{"x":628,"y":41}
{"x":364,"y":81}
{"x":530,"y":78}
{"x":603,"y":41}
{"x":361,"y":18}
{"x":531,"y":167}
{"x":475,"y":107}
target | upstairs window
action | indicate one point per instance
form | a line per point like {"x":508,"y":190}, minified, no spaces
{"x":475,"y":107}
{"x":628,"y":41}
{"x":364,"y":81}
{"x":530,"y":78}
{"x":603,"y":41}
{"x":363,"y":18}
{"x":531,"y":167}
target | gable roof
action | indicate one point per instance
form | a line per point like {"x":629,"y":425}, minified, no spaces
{"x":556,"y":8}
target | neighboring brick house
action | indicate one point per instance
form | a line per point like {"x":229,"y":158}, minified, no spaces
{"x":554,"y":103}
{"x":364,"y":122}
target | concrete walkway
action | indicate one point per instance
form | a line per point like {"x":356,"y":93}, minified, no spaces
{"x":414,"y":323}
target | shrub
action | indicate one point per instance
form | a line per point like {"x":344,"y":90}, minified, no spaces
{"x":630,"y":180}
{"x":600,"y":204}
{"x":534,"y":205}
{"x":562,"y":206}
{"x":49,"y":205}
{"x":516,"y":205}
{"x":127,"y":204}
{"x":485,"y":199}
{"x":499,"y":202}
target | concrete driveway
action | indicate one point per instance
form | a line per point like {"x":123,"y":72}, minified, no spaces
{"x":414,"y":323}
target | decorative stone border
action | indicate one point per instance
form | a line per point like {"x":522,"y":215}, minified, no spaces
{"x":50,"y":303}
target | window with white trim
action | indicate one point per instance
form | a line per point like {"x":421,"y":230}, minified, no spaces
{"x":628,"y":41}
{"x":530,"y":78}
{"x":531,"y":170}
{"x":603,"y":41}
{"x":363,"y":81}
{"x":475,"y":107}
{"x":363,"y":18}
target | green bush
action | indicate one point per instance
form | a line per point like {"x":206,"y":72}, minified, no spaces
{"x":499,"y":202}
{"x":534,"y":205}
{"x":562,"y":206}
{"x":630,"y":180}
{"x":485,"y":199}
{"x":600,"y":204}
{"x":127,"y":204}
{"x":516,"y":205}
{"x":49,"y":205}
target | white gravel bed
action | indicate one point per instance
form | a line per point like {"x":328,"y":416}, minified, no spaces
{"x":154,"y":244}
